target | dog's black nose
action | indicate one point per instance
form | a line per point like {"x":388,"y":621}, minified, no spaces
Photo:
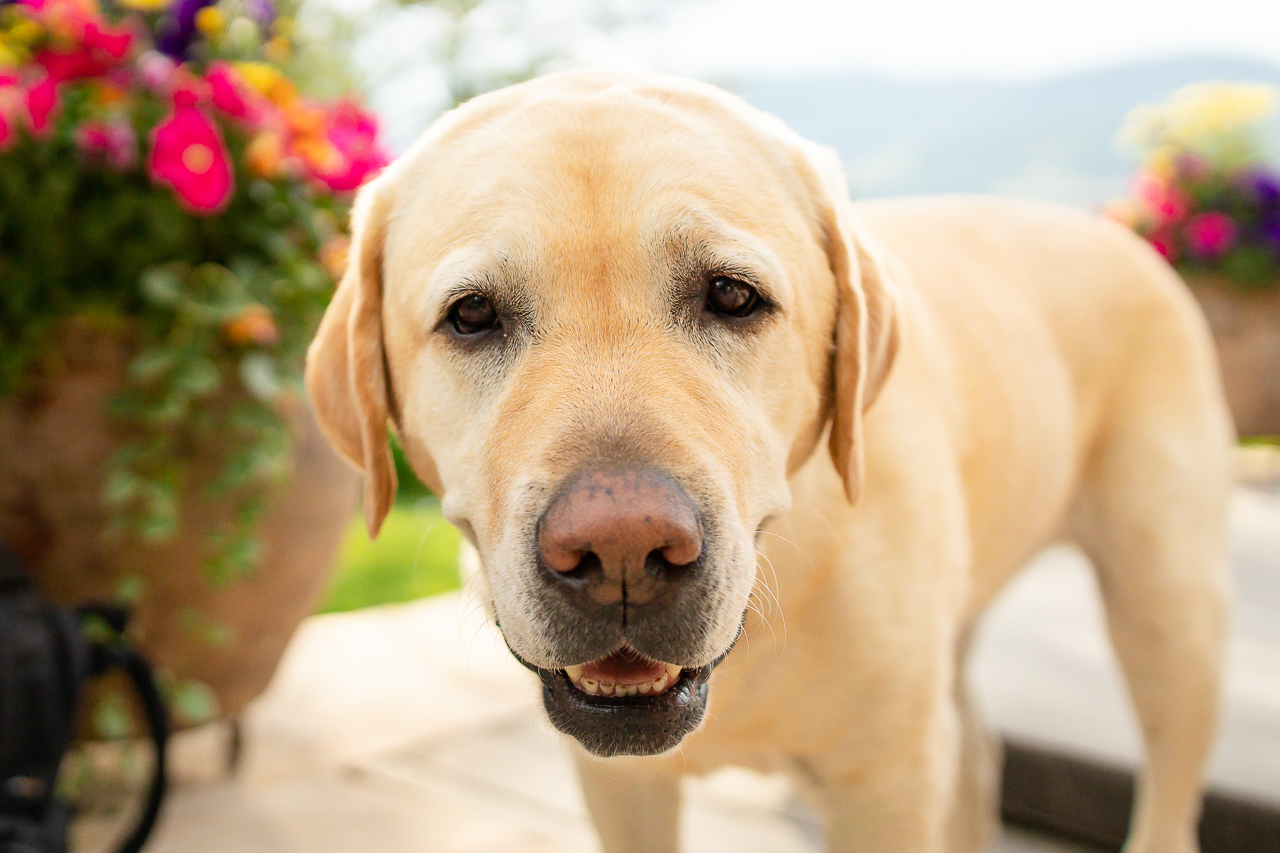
{"x":620,"y":537}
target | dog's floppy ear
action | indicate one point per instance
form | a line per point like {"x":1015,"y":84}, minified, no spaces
{"x":346,"y":374}
{"x":866,"y":327}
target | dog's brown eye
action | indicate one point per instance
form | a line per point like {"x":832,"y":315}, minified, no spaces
{"x":732,"y":298}
{"x":472,"y":315}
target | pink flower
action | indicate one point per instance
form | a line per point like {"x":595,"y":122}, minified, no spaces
{"x":1167,"y":204}
{"x":156,"y":70}
{"x":100,"y":49}
{"x":188,"y":154}
{"x":12,"y":106}
{"x":42,"y":102}
{"x":232,"y":96}
{"x":1210,"y":235}
{"x":111,"y":142}
{"x":1192,"y":167}
{"x":354,"y":134}
{"x":1165,"y":244}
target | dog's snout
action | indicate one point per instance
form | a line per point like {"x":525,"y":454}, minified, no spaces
{"x":621,"y":537}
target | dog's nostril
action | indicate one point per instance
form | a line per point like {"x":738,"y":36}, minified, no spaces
{"x":683,"y":550}
{"x":588,"y":565}
{"x":662,"y":567}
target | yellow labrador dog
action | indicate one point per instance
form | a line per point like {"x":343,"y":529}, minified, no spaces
{"x":612,"y":317}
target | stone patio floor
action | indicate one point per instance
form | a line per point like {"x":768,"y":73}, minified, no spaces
{"x":409,"y":728}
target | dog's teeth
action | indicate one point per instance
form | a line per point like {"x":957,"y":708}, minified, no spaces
{"x":594,"y":687}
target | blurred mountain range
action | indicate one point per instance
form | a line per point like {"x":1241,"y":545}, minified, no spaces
{"x":1052,"y":140}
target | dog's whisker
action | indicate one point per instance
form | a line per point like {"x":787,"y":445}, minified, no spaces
{"x":834,"y":531}
{"x":802,"y":551}
{"x":472,"y":600}
{"x":768,"y":623}
{"x":474,"y":636}
{"x":777,"y":601}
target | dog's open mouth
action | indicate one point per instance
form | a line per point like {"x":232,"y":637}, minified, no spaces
{"x":624,"y":673}
{"x":626,"y":703}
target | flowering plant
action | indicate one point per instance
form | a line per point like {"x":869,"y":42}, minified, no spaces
{"x":1205,"y":195}
{"x":161,"y":176}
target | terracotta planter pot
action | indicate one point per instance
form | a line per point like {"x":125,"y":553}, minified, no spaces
{"x":54,"y":455}
{"x":1246,"y":331}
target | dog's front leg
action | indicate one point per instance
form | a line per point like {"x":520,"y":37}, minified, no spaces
{"x":635,"y":806}
{"x":899,"y":803}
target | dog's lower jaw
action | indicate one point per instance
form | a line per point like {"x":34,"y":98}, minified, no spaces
{"x":637,"y":725}
{"x":633,"y":725}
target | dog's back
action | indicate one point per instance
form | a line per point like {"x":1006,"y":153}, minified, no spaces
{"x":1071,"y":376}
{"x":1072,"y":329}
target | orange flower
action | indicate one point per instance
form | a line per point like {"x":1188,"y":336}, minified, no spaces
{"x":305,"y":120}
{"x":108,"y":94}
{"x":254,"y":326}
{"x":265,"y":154}
{"x":317,"y":153}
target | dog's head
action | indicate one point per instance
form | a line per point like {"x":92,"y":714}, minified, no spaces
{"x":608,"y":316}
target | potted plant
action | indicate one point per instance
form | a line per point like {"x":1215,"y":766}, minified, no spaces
{"x":171,"y":227}
{"x":1208,"y":199}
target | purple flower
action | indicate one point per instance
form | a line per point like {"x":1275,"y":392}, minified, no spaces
{"x":177,"y":29}
{"x":262,"y":11}
{"x":1271,"y":232}
{"x":1265,"y":185}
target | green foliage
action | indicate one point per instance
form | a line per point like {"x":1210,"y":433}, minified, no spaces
{"x":191,"y":702}
{"x":410,"y":489}
{"x":83,"y":240}
{"x":414,"y":556}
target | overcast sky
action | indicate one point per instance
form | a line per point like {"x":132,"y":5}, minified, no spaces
{"x":990,"y":39}
{"x":725,"y":41}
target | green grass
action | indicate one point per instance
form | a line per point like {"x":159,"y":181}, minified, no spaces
{"x":416,"y":555}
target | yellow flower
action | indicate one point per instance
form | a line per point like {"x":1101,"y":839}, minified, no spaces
{"x":265,"y":154}
{"x":278,"y":49}
{"x":144,"y":5}
{"x":269,"y":82}
{"x":9,"y":57}
{"x":1220,"y":122}
{"x":26,"y":32}
{"x":1162,"y":162}
{"x":211,"y":21}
